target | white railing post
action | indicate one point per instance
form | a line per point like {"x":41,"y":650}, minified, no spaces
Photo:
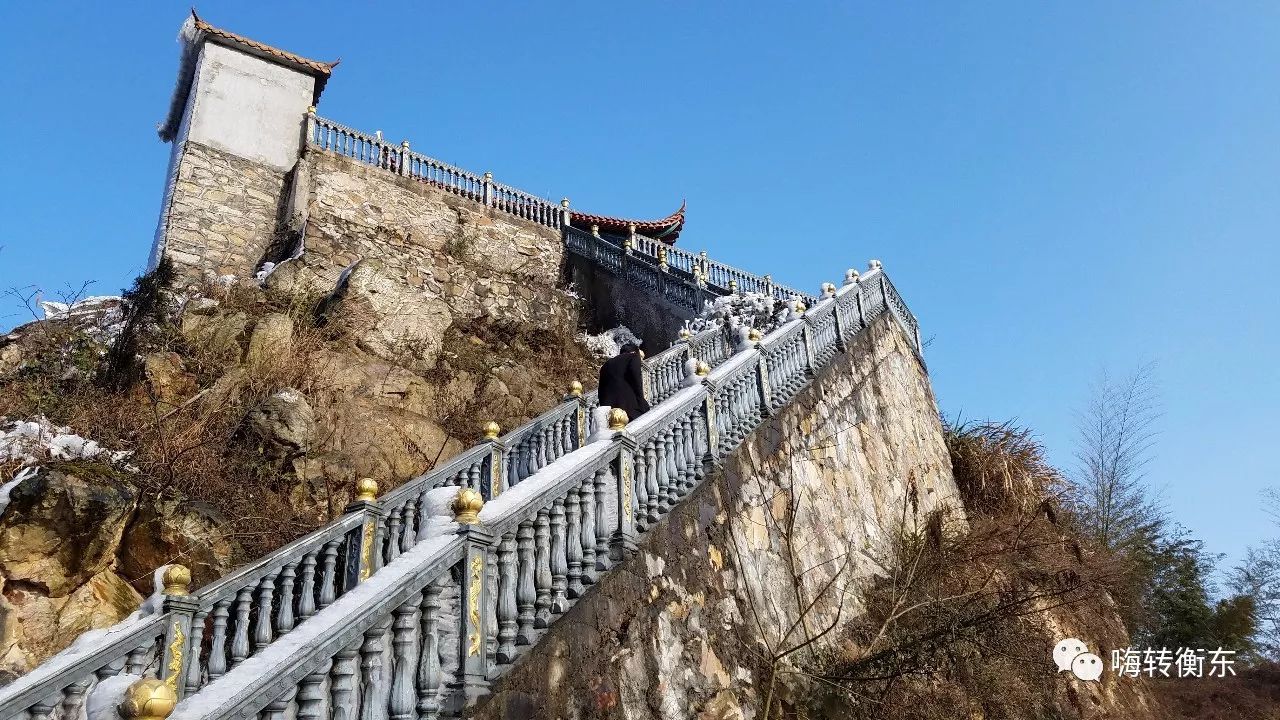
{"x":311,"y":126}
{"x":488,"y":189}
{"x":404,"y":157}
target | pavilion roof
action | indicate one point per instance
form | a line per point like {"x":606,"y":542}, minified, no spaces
{"x":666,"y":229}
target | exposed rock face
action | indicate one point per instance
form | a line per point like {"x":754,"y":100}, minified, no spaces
{"x":285,"y":424}
{"x":219,"y":332}
{"x":678,"y":631}
{"x":60,"y":529}
{"x":58,"y":541}
{"x":168,"y":530}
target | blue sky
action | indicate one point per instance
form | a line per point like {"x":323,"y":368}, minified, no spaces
{"x":1055,"y":188}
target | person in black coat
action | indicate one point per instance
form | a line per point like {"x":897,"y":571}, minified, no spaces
{"x":622,"y":382}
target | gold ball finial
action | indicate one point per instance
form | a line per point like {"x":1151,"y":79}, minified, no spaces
{"x":685,"y":334}
{"x":733,"y":286}
{"x":467,"y":506}
{"x":311,"y":110}
{"x":148,"y":699}
{"x":595,"y":230}
{"x":492,"y":430}
{"x":575,"y":389}
{"x":177,"y":580}
{"x":800,"y":307}
{"x":753,"y":335}
{"x":703,"y":369}
{"x":564,"y":202}
{"x":618,"y":419}
{"x":366,"y":490}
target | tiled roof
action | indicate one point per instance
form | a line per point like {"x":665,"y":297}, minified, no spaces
{"x":666,"y":229}
{"x":195,"y":32}
{"x":262,"y":49}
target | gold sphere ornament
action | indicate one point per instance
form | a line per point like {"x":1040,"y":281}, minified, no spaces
{"x":148,"y":699}
{"x":177,"y":580}
{"x":492,"y":430}
{"x":618,"y":419}
{"x":753,"y":335}
{"x":685,"y":334}
{"x":575,"y":389}
{"x":703,"y":369}
{"x":366,"y":490}
{"x":800,"y":308}
{"x":467,"y":506}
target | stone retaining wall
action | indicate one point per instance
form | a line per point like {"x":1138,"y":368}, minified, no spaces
{"x":677,"y":631}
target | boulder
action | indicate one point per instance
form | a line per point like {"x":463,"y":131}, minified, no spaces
{"x":169,"y":530}
{"x":61,"y":529}
{"x":168,"y":379}
{"x":213,"y":331}
{"x":284,"y":424}
{"x":10,"y":359}
{"x":102,"y":602}
{"x":270,"y":342}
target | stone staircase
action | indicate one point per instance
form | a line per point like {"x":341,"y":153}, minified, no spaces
{"x":411,"y":603}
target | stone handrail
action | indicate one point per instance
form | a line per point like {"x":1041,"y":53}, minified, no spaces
{"x":63,"y":682}
{"x":462,"y":605}
{"x":723,"y":278}
{"x":399,"y":159}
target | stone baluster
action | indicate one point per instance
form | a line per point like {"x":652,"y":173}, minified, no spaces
{"x":669,"y":466}
{"x":558,"y":561}
{"x":43,"y":709}
{"x":262,"y":628}
{"x":542,"y":569}
{"x":408,"y":533}
{"x":573,"y":533}
{"x":218,"y":642}
{"x":240,"y":640}
{"x":193,"y":677}
{"x":600,"y":487}
{"x":284,"y":608}
{"x":587,"y":498}
{"x":329,"y":574}
{"x":429,"y":672}
{"x":392,"y":549}
{"x":275,"y":709}
{"x":73,"y":697}
{"x":690,"y":456}
{"x":137,"y":660}
{"x":679,"y":458}
{"x":342,"y":683}
{"x":307,"y":587}
{"x":311,"y":693}
{"x":652,"y":479}
{"x":373,"y":706}
{"x":642,"y":489}
{"x":526,"y":594}
{"x":506,"y":605}
{"x":111,"y":669}
{"x":402,"y":702}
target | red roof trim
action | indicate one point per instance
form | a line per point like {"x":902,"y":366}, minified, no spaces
{"x":320,"y":68}
{"x":667,"y":229}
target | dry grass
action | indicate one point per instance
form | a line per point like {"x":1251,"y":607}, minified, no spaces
{"x":963,"y":625}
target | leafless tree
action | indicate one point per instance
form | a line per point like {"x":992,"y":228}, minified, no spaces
{"x":1116,"y":432}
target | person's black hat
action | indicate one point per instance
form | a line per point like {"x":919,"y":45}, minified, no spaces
{"x":628,"y":348}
